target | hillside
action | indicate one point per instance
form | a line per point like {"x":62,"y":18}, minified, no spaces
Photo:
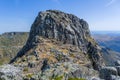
{"x":10,"y":44}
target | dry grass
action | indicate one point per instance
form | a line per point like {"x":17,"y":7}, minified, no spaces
{"x":65,"y":51}
{"x":51,"y":58}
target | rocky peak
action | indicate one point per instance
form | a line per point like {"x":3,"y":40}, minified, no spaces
{"x":60,"y":26}
{"x":65,"y":28}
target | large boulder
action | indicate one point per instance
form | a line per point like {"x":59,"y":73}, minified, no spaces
{"x":108,"y":73}
{"x":117,"y":63}
{"x":118,"y":70}
{"x":113,"y":77}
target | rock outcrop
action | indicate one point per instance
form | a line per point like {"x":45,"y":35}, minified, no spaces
{"x":10,"y":72}
{"x":110,"y":73}
{"x":56,"y":40}
{"x":66,"y":28}
{"x":117,"y":63}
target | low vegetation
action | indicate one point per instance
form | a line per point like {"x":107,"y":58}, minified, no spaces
{"x":10,"y":44}
{"x":76,"y":79}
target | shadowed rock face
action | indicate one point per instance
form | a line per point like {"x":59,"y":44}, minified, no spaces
{"x":66,"y":28}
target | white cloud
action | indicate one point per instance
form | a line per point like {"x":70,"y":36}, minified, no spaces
{"x":110,"y":3}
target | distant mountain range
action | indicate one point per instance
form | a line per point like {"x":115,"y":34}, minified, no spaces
{"x":10,"y":44}
{"x":115,"y":33}
{"x":109,"y":39}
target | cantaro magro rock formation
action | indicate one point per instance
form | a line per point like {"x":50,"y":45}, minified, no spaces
{"x":63,"y":36}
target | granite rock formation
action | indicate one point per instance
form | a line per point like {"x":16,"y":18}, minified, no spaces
{"x":66,"y":28}
{"x":59,"y":46}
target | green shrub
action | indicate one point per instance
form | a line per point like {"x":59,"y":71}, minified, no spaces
{"x":76,"y":79}
{"x":25,"y":69}
{"x":58,"y":78}
{"x":29,"y":76}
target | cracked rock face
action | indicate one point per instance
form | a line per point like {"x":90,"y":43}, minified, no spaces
{"x":60,"y":26}
{"x":66,"y":28}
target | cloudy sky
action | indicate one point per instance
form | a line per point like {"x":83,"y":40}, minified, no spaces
{"x":18,"y":15}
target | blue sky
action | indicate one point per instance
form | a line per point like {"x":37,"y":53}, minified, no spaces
{"x":18,"y":15}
